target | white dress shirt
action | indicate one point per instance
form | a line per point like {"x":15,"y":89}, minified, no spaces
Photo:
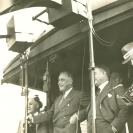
{"x":67,"y":92}
{"x":101,"y":87}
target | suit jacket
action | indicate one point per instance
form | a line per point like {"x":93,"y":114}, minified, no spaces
{"x":60,"y":114}
{"x":111,"y":107}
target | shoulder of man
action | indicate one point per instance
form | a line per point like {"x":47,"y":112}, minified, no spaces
{"x":83,"y":96}
{"x":119,"y":89}
{"x":77,"y":92}
{"x":81,"y":93}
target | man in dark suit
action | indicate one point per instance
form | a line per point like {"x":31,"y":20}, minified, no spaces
{"x":64,"y":111}
{"x":111,"y":113}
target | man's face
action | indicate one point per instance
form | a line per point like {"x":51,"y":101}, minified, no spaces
{"x":32,"y":106}
{"x":99,"y":76}
{"x":64,"y":82}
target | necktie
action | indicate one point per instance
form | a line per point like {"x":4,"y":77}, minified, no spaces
{"x":97,"y":91}
{"x":60,"y":102}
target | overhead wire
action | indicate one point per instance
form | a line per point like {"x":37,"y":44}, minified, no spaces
{"x":99,"y":39}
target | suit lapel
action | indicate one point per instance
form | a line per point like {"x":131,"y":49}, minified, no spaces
{"x":105,"y":91}
{"x":67,"y":100}
{"x":57,"y":108}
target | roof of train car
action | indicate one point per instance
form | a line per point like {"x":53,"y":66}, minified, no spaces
{"x":107,"y":20}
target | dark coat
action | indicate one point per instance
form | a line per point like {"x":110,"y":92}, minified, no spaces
{"x":112,"y":109}
{"x":60,"y":115}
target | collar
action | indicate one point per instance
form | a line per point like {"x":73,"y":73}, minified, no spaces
{"x":101,"y":87}
{"x":35,"y":114}
{"x":67,"y":92}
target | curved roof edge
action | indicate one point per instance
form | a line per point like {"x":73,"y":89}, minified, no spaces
{"x":58,"y":39}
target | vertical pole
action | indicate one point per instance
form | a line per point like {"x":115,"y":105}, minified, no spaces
{"x":46,"y":88}
{"x":91,"y":66}
{"x":24,"y":84}
{"x":26,"y":90}
{"x":47,"y":71}
{"x":22,"y":74}
{"x":47,"y":93}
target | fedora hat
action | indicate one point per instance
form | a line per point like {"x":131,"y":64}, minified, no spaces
{"x":127,"y":52}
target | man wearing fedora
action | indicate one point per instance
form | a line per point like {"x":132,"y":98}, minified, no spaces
{"x":127,"y":51}
{"x":127,"y":98}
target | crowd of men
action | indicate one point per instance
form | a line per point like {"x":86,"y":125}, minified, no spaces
{"x":68,"y":110}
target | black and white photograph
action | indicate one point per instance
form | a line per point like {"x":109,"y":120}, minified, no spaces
{"x":66,"y":66}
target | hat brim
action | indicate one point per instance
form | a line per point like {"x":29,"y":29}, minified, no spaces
{"x":126,"y":61}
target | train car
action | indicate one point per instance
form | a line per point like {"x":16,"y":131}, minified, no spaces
{"x":66,"y":47}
